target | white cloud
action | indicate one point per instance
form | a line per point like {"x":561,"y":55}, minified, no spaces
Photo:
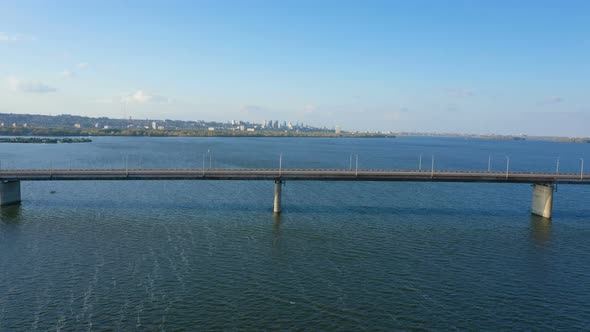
{"x":11,"y":38}
{"x":142,"y":97}
{"x":309,"y":108}
{"x":73,"y":73}
{"x":7,"y":38}
{"x":28,"y":86}
{"x":68,"y":74}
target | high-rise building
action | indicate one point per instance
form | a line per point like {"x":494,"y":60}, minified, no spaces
{"x":154,"y":125}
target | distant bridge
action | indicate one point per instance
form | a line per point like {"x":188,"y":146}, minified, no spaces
{"x":541,"y":205}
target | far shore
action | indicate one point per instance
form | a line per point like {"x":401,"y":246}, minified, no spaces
{"x":76,"y":132}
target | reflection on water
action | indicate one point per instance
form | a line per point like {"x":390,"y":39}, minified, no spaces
{"x":540,"y":230}
{"x":276,"y":229}
{"x":10,"y":214}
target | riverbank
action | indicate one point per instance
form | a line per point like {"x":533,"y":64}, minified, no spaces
{"x":42,"y":140}
{"x":57,"y":131}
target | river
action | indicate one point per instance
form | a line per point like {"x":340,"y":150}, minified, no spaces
{"x":210,"y":255}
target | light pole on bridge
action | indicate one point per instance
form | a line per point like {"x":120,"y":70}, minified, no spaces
{"x":507,"y":166}
{"x":581,"y":168}
{"x":489,"y":163}
{"x":557,"y":167}
{"x":420,"y":163}
{"x":280,"y":164}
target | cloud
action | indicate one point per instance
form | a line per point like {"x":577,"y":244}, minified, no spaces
{"x":552,"y":100}
{"x":142,"y":97}
{"x":28,"y":86}
{"x":12,"y":38}
{"x":68,"y":74}
{"x":73,"y":73}
{"x":309,"y":108}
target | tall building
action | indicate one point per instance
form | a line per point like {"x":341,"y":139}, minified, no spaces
{"x":154,"y":125}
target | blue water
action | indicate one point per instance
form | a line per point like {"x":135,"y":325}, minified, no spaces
{"x":210,"y":255}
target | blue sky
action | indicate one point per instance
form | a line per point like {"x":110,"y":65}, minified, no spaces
{"x":506,"y":67}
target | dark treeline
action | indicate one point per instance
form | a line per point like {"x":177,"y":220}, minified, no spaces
{"x":57,"y":131}
{"x":44,"y":140}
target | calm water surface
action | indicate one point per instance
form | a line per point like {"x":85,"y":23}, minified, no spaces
{"x":210,"y":255}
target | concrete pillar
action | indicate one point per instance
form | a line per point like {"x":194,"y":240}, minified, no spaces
{"x":277,"y":205}
{"x":542,"y":200}
{"x":9,"y":192}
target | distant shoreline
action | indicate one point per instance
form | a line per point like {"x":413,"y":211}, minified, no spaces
{"x":69,"y":132}
{"x":43,"y":140}
{"x":75,"y":132}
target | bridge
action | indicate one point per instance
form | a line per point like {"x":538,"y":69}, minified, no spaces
{"x":543,"y":183}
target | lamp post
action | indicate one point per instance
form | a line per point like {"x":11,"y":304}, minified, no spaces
{"x":420,"y":163}
{"x":507,"y":166}
{"x":489,"y":163}
{"x":557,"y":167}
{"x":581,"y":168}
{"x":280,"y":164}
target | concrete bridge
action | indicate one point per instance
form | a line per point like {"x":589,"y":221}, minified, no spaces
{"x":543,"y":183}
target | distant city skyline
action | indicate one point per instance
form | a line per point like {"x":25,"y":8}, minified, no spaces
{"x":423,"y":66}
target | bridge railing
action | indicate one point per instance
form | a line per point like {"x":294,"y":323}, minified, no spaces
{"x":350,"y":162}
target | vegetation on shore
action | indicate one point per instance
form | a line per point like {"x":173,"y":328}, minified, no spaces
{"x":57,"y":131}
{"x":43,"y":140}
{"x":66,"y":132}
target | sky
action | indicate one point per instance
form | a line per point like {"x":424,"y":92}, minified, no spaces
{"x":502,"y":67}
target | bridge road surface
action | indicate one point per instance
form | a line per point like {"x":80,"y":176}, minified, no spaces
{"x":292,"y":174}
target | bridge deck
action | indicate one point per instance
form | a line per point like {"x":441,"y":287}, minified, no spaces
{"x":291,"y":174}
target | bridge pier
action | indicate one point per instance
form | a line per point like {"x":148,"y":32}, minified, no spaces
{"x":542,"y":200}
{"x":9,"y":192}
{"x":277,"y":205}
